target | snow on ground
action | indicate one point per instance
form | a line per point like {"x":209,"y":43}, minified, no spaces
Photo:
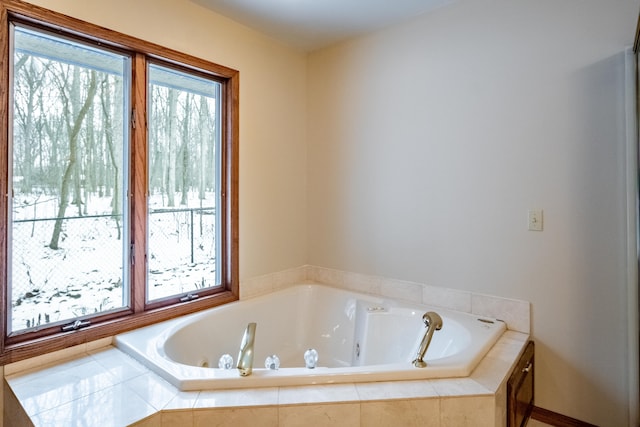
{"x":85,"y":274}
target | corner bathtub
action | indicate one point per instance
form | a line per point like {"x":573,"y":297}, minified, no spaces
{"x":358,"y":338}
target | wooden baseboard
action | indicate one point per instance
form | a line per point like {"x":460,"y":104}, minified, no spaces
{"x":555,"y":419}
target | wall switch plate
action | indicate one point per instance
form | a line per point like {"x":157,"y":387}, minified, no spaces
{"x":535,"y":219}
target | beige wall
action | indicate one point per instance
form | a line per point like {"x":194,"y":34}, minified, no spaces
{"x":429,"y":141}
{"x":272,"y":114}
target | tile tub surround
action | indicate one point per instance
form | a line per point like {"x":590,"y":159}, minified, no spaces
{"x":515,"y":313}
{"x":103,"y":386}
{"x":77,"y":384}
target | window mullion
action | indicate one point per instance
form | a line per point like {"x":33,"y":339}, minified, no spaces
{"x":4,"y":174}
{"x":138,"y":192}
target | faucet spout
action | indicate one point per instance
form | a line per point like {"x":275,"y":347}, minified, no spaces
{"x":433,"y":322}
{"x":245,"y":356}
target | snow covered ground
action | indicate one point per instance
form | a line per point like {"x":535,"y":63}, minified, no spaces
{"x":85,"y":274}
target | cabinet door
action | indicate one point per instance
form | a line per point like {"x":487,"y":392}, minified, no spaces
{"x":520,"y":389}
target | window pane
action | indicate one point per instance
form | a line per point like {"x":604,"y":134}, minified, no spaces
{"x":69,"y":167}
{"x":183,"y":223}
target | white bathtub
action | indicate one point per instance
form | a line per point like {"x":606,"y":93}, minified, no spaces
{"x":358,"y":338}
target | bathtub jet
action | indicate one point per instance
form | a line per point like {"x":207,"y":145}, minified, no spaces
{"x":359,"y":337}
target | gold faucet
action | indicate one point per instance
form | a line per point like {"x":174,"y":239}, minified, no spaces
{"x":245,"y":357}
{"x":433,"y":322}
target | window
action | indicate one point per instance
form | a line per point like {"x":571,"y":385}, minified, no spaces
{"x":184,"y":132}
{"x":120,"y":166}
{"x":68,"y":236}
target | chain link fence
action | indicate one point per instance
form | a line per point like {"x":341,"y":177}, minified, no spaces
{"x":182,"y":251}
{"x":86,"y":276}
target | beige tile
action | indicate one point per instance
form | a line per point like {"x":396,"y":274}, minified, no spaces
{"x":490,"y":372}
{"x":500,"y":405}
{"x":182,"y":400}
{"x":12,"y":410}
{"x":154,"y":420}
{"x":467,"y":412}
{"x":70,"y":354}
{"x":153,"y":389}
{"x":112,"y":407}
{"x":447,"y":387}
{"x":292,"y":276}
{"x":401,"y":290}
{"x":508,"y":346}
{"x":361,"y":283}
{"x":406,"y":413}
{"x":326,"y":276}
{"x":515,"y":313}
{"x":236,"y":417}
{"x":177,"y":418}
{"x":396,"y":390}
{"x":118,"y":364}
{"x":39,"y":371}
{"x":318,"y":394}
{"x":447,"y":298}
{"x":329,"y":415}
{"x":56,"y":386}
{"x":256,"y":286}
{"x":499,"y":361}
{"x":240,"y":397}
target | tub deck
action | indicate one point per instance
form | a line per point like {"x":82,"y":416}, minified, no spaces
{"x":96,"y":384}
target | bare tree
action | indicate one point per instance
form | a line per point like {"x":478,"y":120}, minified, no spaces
{"x":30,"y":73}
{"x":74,"y":125}
{"x":172,"y":123}
{"x":185,"y":151}
{"x":106,"y":115}
{"x":157,"y":153}
{"x":204,"y":143}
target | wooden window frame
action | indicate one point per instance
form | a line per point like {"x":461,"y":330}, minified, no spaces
{"x":140,"y":313}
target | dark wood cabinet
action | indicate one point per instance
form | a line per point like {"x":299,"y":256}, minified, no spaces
{"x":520,"y":388}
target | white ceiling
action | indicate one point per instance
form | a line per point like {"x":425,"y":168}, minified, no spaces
{"x":312,"y":24}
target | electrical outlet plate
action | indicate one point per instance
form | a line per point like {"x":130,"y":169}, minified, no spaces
{"x":535,"y":220}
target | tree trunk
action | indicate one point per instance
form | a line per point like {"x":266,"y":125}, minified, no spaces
{"x":171,"y":149}
{"x":204,"y":144}
{"x":185,"y":152}
{"x":75,"y":95}
{"x":115,"y":201}
{"x":73,"y":147}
